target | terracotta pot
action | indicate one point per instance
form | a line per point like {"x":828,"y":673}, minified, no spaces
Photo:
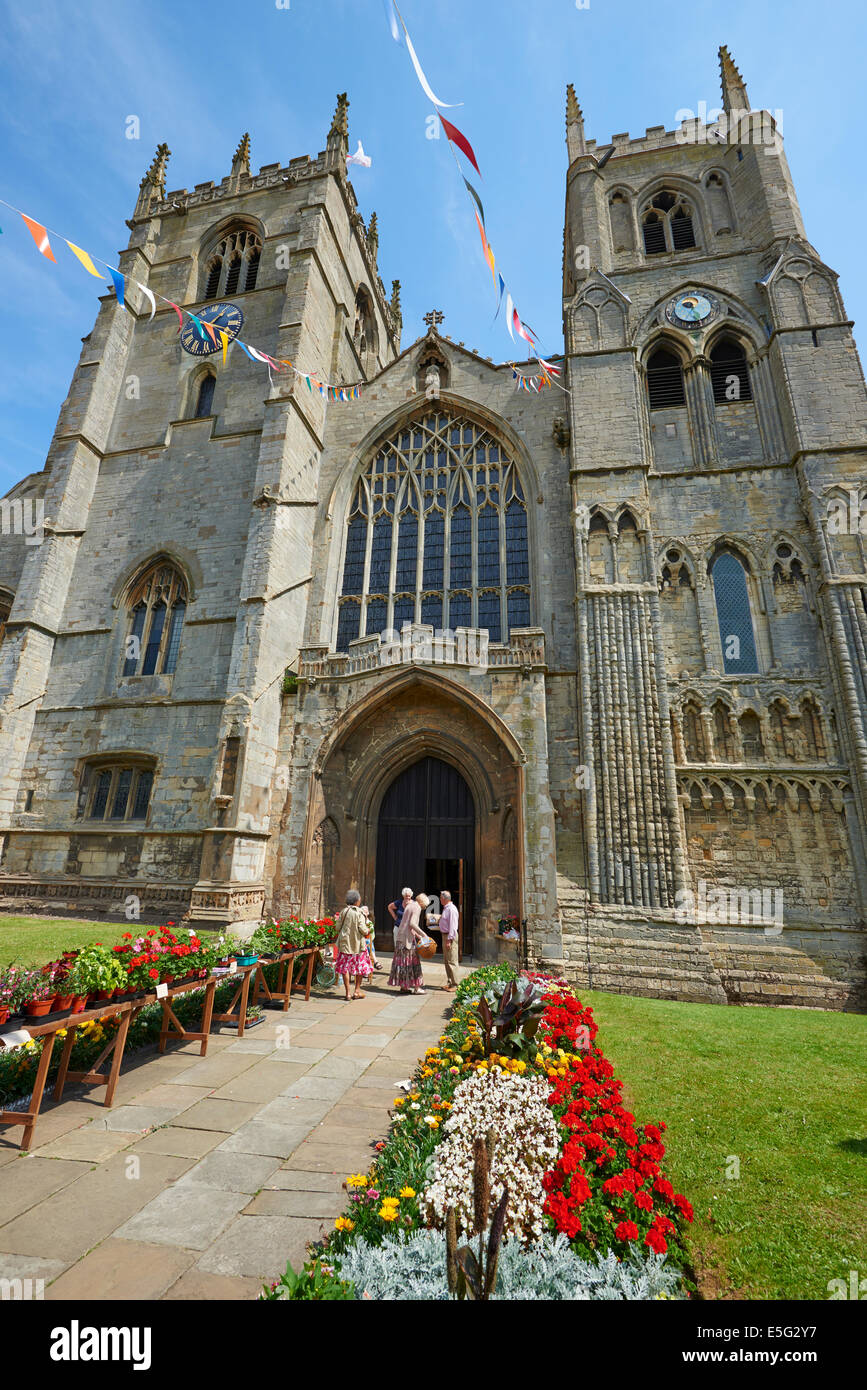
{"x":103,"y":995}
{"x":4,"y":1013}
{"x":79,"y":1004}
{"x":38,"y":1008}
{"x":64,"y":1002}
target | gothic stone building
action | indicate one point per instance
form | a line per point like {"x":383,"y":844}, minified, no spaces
{"x":644,"y":732}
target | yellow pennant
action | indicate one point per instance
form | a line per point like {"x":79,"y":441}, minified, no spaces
{"x":85,"y":260}
{"x":225,"y":340}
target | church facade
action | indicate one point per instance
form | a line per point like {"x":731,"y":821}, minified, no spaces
{"x":593,"y":659}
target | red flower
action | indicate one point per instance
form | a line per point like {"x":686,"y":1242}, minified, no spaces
{"x":644,"y":1201}
{"x":656,"y":1241}
{"x":154,"y":974}
{"x":627,"y":1230}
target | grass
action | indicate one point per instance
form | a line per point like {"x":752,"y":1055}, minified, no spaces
{"x":34,"y":940}
{"x":776,"y":1095}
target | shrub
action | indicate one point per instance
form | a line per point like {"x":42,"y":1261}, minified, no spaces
{"x":547,"y":1270}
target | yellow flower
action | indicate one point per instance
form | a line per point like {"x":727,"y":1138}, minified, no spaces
{"x":388,"y":1213}
{"x":414,"y":1095}
{"x":399,"y":1100}
{"x":407,"y":1192}
{"x":343,"y":1223}
{"x":356,"y":1180}
{"x":427,"y":1072}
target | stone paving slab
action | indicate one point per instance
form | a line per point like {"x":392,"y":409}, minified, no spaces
{"x":190,"y":1216}
{"x":262,"y":1082}
{"x":288,"y":1203}
{"x":199,"y":1287}
{"x":179,"y":1142}
{"x":122,"y":1269}
{"x":232,"y":1172}
{"x":88,"y":1143}
{"x":31,"y":1180}
{"x":135,"y":1119}
{"x":227,"y":1115}
{"x":74,"y":1220}
{"x":299,"y":1180}
{"x":259,"y":1246}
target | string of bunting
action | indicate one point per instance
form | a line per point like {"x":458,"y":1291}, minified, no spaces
{"x":41,"y":237}
{"x":457,"y":140}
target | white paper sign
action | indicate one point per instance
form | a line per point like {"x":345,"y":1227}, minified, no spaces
{"x":14,"y":1039}
{"x":162,"y":991}
{"x":233,"y":966}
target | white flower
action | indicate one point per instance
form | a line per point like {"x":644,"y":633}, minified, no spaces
{"x":415,"y":1106}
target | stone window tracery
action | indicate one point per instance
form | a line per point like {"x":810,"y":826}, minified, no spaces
{"x":233,"y":267}
{"x":117,"y":791}
{"x":156,"y":607}
{"x":437,"y":533}
{"x":734,"y":614}
{"x":667,"y":224}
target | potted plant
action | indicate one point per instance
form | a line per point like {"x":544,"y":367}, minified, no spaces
{"x":98,"y":971}
{"x":10,"y":990}
{"x":267,"y":939}
{"x":37,"y":994}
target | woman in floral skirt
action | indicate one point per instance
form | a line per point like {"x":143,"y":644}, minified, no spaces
{"x":406,"y":965}
{"x":352,"y":932}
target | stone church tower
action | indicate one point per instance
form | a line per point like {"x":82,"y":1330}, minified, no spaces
{"x":594,"y":661}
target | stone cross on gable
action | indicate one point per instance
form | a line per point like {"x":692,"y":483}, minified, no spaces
{"x":434,"y":319}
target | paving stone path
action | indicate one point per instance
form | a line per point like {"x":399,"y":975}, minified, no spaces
{"x":208,"y":1173}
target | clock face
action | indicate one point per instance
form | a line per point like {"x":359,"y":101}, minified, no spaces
{"x":227,"y":317}
{"x":690,"y":310}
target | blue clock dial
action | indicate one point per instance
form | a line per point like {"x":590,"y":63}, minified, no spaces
{"x":198,"y":342}
{"x":692,"y":309}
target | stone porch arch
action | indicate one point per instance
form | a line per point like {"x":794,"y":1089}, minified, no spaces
{"x":399,"y":721}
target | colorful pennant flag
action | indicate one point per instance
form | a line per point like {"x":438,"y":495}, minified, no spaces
{"x":84,"y":258}
{"x":147,"y":293}
{"x":476,"y":199}
{"x":224,"y":339}
{"x":463,"y":144}
{"x":40,"y":236}
{"x":178,"y":312}
{"x":489,"y":255}
{"x":425,"y":85}
{"x":117,"y":281}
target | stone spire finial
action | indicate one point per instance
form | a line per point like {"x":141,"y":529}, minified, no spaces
{"x":373,"y":236}
{"x":575,"y":143}
{"x":241,"y":159}
{"x":337,"y":147}
{"x":153,"y":186}
{"x":395,"y":302}
{"x":734,"y":90}
{"x":340,"y":124}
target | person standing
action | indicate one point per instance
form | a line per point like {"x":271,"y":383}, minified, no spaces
{"x":352,"y":933}
{"x":447,"y":922}
{"x":406,"y":965}
{"x":396,"y":910}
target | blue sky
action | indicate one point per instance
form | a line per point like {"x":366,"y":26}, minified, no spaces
{"x":199,"y":75}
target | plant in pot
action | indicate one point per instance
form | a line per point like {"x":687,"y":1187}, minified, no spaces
{"x":60,"y":969}
{"x":11,"y":977}
{"x":98,"y":971}
{"x":37,"y":993}
{"x":267,"y":939}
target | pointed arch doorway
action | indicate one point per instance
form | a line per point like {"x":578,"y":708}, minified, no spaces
{"x":426,"y":840}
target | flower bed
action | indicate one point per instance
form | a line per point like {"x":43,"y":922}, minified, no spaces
{"x":576,"y":1163}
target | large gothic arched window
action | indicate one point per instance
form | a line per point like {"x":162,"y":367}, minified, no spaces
{"x":233,"y":266}
{"x":734,"y":615}
{"x":437,"y":534}
{"x":156,"y":604}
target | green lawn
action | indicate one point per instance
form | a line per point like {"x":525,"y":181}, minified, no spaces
{"x":34,"y":940}
{"x":781,"y":1091}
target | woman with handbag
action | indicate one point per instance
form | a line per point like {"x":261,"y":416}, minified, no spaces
{"x":352,"y":933}
{"x":405,"y":964}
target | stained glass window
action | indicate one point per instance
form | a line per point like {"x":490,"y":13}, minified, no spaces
{"x":437,"y":531}
{"x":157,"y":607}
